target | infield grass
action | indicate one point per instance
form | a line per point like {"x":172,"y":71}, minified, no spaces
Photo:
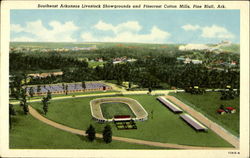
{"x":109,"y":110}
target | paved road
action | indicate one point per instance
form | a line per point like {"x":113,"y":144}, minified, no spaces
{"x":35,"y":114}
{"x":210,"y":124}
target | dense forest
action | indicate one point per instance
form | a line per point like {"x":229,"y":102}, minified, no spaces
{"x":152,"y":69}
{"x":21,"y":62}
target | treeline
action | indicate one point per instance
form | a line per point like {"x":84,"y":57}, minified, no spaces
{"x":110,"y":52}
{"x":22,"y":62}
{"x":138,"y":53}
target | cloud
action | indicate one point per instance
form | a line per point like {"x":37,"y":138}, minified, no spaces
{"x":215,"y":31}
{"x":16,"y":28}
{"x":88,"y":37}
{"x":104,"y":26}
{"x":126,"y":32}
{"x":133,"y":26}
{"x":189,"y":27}
{"x":59,"y":32}
{"x":23,"y":38}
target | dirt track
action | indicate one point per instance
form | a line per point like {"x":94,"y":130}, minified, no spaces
{"x":135,"y":107}
{"x":210,"y":124}
{"x":35,"y":114}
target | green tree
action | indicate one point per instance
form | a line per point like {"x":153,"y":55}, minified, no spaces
{"x":129,"y":85}
{"x":91,"y":133}
{"x":31,"y":92}
{"x":228,"y":94}
{"x":16,"y":86}
{"x":66,"y":89}
{"x":25,"y":77}
{"x":38,"y":88}
{"x":45,"y":102}
{"x":49,"y":96}
{"x":23,"y":101}
{"x":107,"y":134}
{"x":11,"y":113}
{"x":152,"y":114}
{"x":149,"y":90}
{"x":83,"y":85}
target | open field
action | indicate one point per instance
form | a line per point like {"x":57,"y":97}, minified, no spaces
{"x":170,"y":128}
{"x":30,"y":133}
{"x":109,"y":110}
{"x":208,"y":105}
{"x":235,"y":48}
{"x":95,"y":64}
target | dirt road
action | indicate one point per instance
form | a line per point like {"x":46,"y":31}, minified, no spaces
{"x":204,"y":120}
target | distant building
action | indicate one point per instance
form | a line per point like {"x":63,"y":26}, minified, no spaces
{"x":233,"y":63}
{"x":196,"y":61}
{"x":43,"y":75}
{"x":187,"y":61}
{"x":116,"y":62}
{"x":99,"y":59}
{"x":131,"y":60}
{"x":180,"y":58}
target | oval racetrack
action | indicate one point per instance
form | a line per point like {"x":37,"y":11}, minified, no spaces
{"x":95,"y":106}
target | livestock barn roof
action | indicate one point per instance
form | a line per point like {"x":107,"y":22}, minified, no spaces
{"x":194,"y":123}
{"x":170,"y":105}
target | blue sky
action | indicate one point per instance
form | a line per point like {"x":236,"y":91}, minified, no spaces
{"x":143,"y":26}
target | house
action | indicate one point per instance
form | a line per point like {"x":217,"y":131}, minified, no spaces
{"x":231,"y":109}
{"x":43,"y":75}
{"x":194,"y":61}
{"x":187,"y":61}
{"x":221,"y":112}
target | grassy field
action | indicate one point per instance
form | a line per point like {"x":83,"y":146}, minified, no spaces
{"x":235,"y":48}
{"x":208,"y":105}
{"x":162,"y":125}
{"x":109,"y":110}
{"x":95,"y":64}
{"x":29,"y":133}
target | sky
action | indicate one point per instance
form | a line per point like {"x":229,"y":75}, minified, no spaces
{"x":139,"y":26}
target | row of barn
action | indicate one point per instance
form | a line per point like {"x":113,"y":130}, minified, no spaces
{"x":71,"y":88}
{"x":187,"y":118}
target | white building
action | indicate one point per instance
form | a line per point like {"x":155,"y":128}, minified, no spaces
{"x":196,"y":61}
